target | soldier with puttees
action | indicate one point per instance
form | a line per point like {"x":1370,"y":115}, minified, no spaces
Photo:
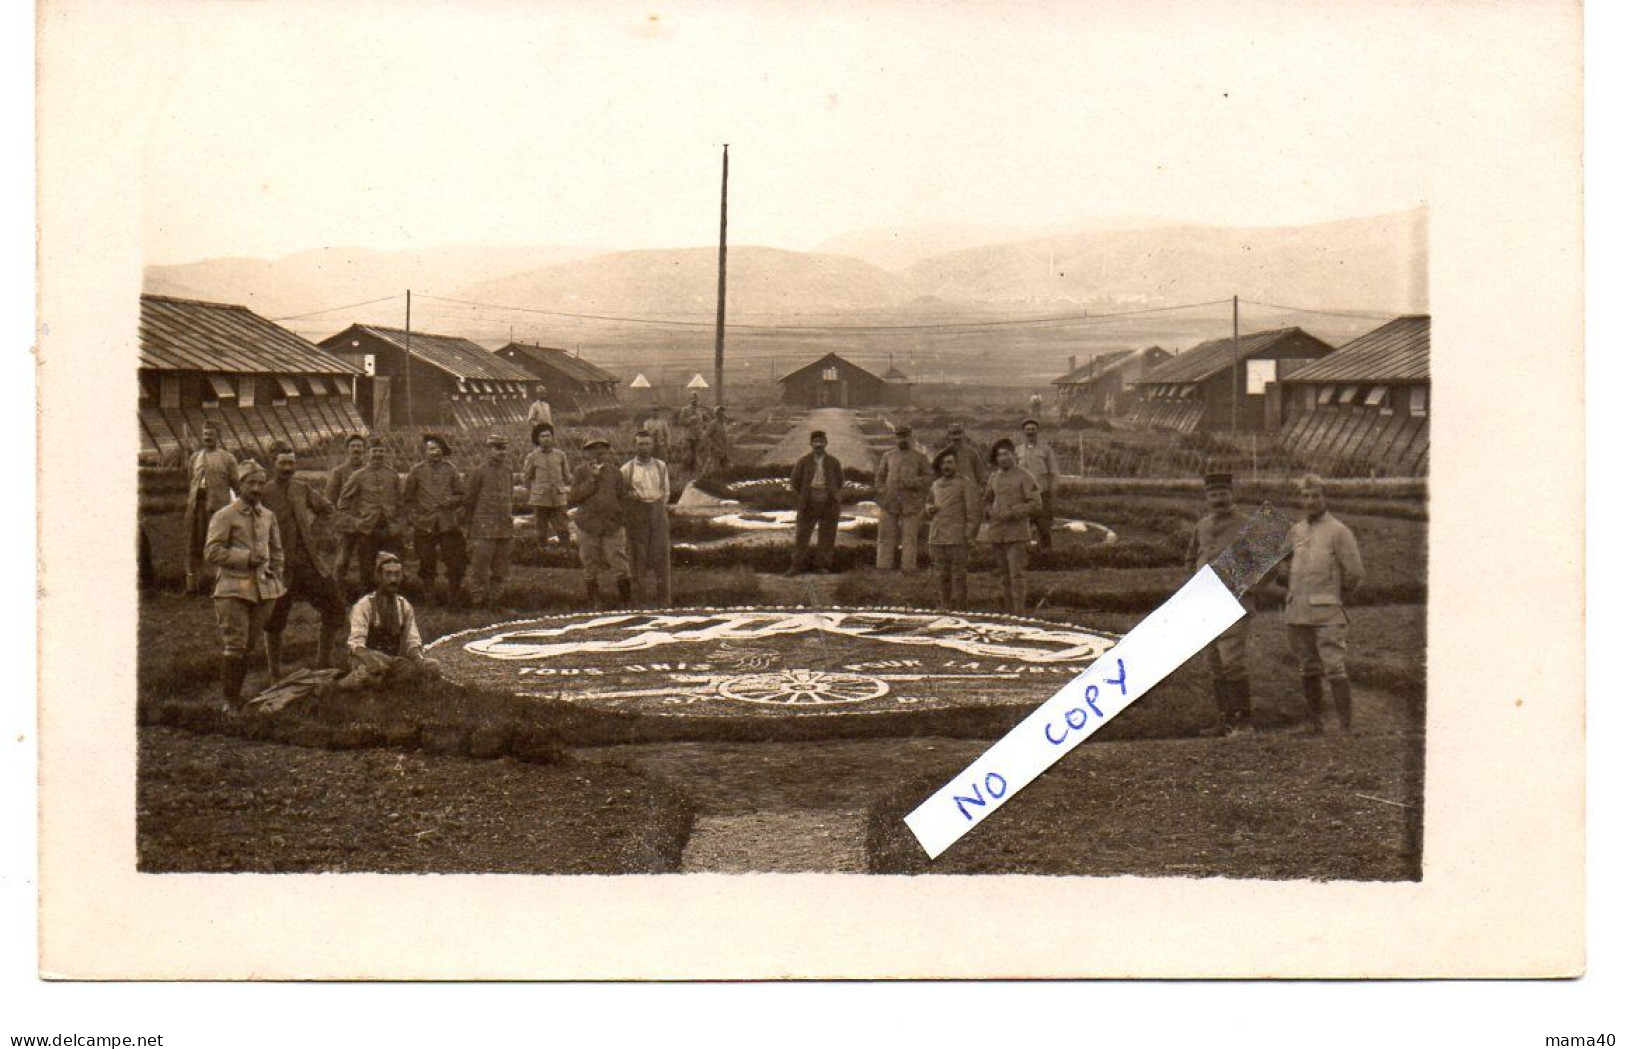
{"x":902,"y":485}
{"x":245,"y":545}
{"x":954,"y":513}
{"x":648,"y":528}
{"x":488,"y":516}
{"x":208,"y":490}
{"x":599,"y":497}
{"x":1012,"y":501}
{"x":816,"y":482}
{"x":345,"y":524}
{"x":1322,"y":571}
{"x":371,"y":504}
{"x":545,"y":474}
{"x":1227,"y":655}
{"x":297,"y":506}
{"x":434,"y":500}
{"x":386,"y":649}
{"x":715,"y":453}
{"x":1035,"y":455}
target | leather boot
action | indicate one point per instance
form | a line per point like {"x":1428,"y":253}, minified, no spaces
{"x":592,"y":594}
{"x":273,"y":657}
{"x":1241,"y":705}
{"x":1342,"y":702}
{"x":324,"y":647}
{"x":233,"y":670}
{"x":623,"y":588}
{"x":1313,"y":696}
{"x":1221,"y":699}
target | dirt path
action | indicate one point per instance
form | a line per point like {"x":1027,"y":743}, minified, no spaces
{"x":846,"y":440}
{"x":825,"y":840}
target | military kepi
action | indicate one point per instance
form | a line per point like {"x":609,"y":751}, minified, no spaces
{"x":1216,"y":480}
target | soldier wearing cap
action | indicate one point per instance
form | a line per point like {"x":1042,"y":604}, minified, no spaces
{"x":208,"y":489}
{"x":434,"y":496}
{"x":1035,"y":455}
{"x":385,"y":647}
{"x":297,"y":507}
{"x":488,"y":516}
{"x":902,"y":485}
{"x":346,"y":525}
{"x":1012,"y":500}
{"x":816,"y":481}
{"x":1227,"y":655}
{"x":246,"y":546}
{"x":1324,"y":569}
{"x":372,"y":499}
{"x":545,"y":474}
{"x":971,"y":461}
{"x":691,"y":420}
{"x":599,"y":494}
{"x":954,"y":513}
{"x":715,"y":453}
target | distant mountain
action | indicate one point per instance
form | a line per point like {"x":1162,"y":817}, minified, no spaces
{"x":762,"y":281}
{"x":896,"y":248}
{"x":323,"y":277}
{"x":1367,"y":263}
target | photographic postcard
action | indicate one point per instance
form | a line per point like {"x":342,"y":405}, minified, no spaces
{"x":597,"y":470}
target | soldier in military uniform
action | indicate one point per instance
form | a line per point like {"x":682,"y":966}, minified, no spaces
{"x":246,"y":546}
{"x":1227,"y":655}
{"x":372,"y":499}
{"x":1324,"y":569}
{"x":208,"y":490}
{"x":297,"y":506}
{"x":488,"y":513}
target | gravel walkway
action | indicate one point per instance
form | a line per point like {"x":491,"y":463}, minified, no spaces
{"x":846,"y":441}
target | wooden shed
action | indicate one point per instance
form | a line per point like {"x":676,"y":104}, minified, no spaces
{"x":832,"y":381}
{"x":1102,"y":387}
{"x":222,"y":363}
{"x":571,"y":382}
{"x":1223,"y":384}
{"x":452,"y":382}
{"x":1364,"y":408}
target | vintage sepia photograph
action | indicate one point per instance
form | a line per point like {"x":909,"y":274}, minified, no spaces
{"x":573,"y":442}
{"x":735,"y":551}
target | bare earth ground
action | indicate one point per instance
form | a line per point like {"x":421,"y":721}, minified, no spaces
{"x":1144,"y":797}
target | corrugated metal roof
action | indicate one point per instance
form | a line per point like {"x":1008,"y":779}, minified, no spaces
{"x":560,"y":361}
{"x":1395,"y":352}
{"x":191,"y":335}
{"x":1202,"y":362}
{"x":452,"y":354}
{"x":1104,"y":364}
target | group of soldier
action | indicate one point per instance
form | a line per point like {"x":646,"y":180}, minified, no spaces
{"x":1004,"y":498}
{"x":258,"y":530}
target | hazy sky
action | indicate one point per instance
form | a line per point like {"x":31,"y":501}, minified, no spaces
{"x":275,"y":127}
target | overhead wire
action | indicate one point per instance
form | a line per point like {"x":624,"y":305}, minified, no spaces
{"x":335,"y":309}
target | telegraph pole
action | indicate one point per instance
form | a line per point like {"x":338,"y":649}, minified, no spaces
{"x":722,"y":273}
{"x":1235,"y":358}
{"x":406,"y":370}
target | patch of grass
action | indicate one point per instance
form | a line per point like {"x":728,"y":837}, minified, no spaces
{"x":213,"y":804}
{"x":1273,"y":807}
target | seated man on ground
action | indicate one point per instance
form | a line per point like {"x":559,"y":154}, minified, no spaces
{"x":385,"y":647}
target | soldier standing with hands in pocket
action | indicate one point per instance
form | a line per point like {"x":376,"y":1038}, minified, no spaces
{"x":1324,"y":569}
